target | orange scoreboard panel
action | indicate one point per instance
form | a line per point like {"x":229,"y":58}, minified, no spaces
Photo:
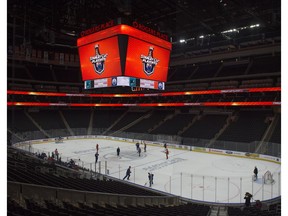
{"x":100,"y":59}
{"x":146,"y":60}
{"x":122,"y":52}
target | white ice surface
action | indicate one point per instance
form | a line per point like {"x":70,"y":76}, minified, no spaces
{"x":213,"y":178}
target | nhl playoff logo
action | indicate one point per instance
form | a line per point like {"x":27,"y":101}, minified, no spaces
{"x":98,"y":60}
{"x":149,"y":62}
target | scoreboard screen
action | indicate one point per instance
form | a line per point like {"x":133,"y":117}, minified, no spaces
{"x":100,"y":59}
{"x":146,"y":60}
{"x":122,"y":55}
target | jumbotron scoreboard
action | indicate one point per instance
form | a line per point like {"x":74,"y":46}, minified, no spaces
{"x":119,"y":53}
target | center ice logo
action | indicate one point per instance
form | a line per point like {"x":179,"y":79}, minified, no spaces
{"x":149,"y":62}
{"x":98,"y":60}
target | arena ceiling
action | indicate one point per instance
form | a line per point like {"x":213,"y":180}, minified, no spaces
{"x":59,"y":22}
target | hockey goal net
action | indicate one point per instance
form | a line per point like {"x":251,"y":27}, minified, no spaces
{"x":268,"y":178}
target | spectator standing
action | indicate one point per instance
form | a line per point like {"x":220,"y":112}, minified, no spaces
{"x":247,"y":198}
{"x":57,"y":154}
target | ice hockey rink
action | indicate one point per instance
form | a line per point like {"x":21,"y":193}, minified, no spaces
{"x":190,"y":174}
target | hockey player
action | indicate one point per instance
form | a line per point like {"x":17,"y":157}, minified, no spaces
{"x":144,"y":147}
{"x":96,"y":157}
{"x":128,"y":172}
{"x":150,"y":177}
{"x":139,"y":151}
{"x":97,"y":147}
{"x":167,"y":153}
{"x":255,"y":173}
{"x":118,"y":151}
{"x":137,"y":147}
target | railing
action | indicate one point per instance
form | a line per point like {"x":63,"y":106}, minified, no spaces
{"x":22,"y":190}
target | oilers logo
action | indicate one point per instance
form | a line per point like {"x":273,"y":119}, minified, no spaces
{"x":98,"y":60}
{"x":149,"y":62}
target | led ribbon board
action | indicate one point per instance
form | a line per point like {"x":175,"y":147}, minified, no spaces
{"x":110,"y":55}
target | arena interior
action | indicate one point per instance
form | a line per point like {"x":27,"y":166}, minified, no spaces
{"x":222,"y":96}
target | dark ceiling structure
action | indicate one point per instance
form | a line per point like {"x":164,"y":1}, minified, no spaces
{"x":59,"y":22}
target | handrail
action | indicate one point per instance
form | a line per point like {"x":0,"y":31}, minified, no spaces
{"x":19,"y":191}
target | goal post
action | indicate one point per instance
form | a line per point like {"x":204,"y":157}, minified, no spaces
{"x":59,"y":140}
{"x":268,"y":178}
